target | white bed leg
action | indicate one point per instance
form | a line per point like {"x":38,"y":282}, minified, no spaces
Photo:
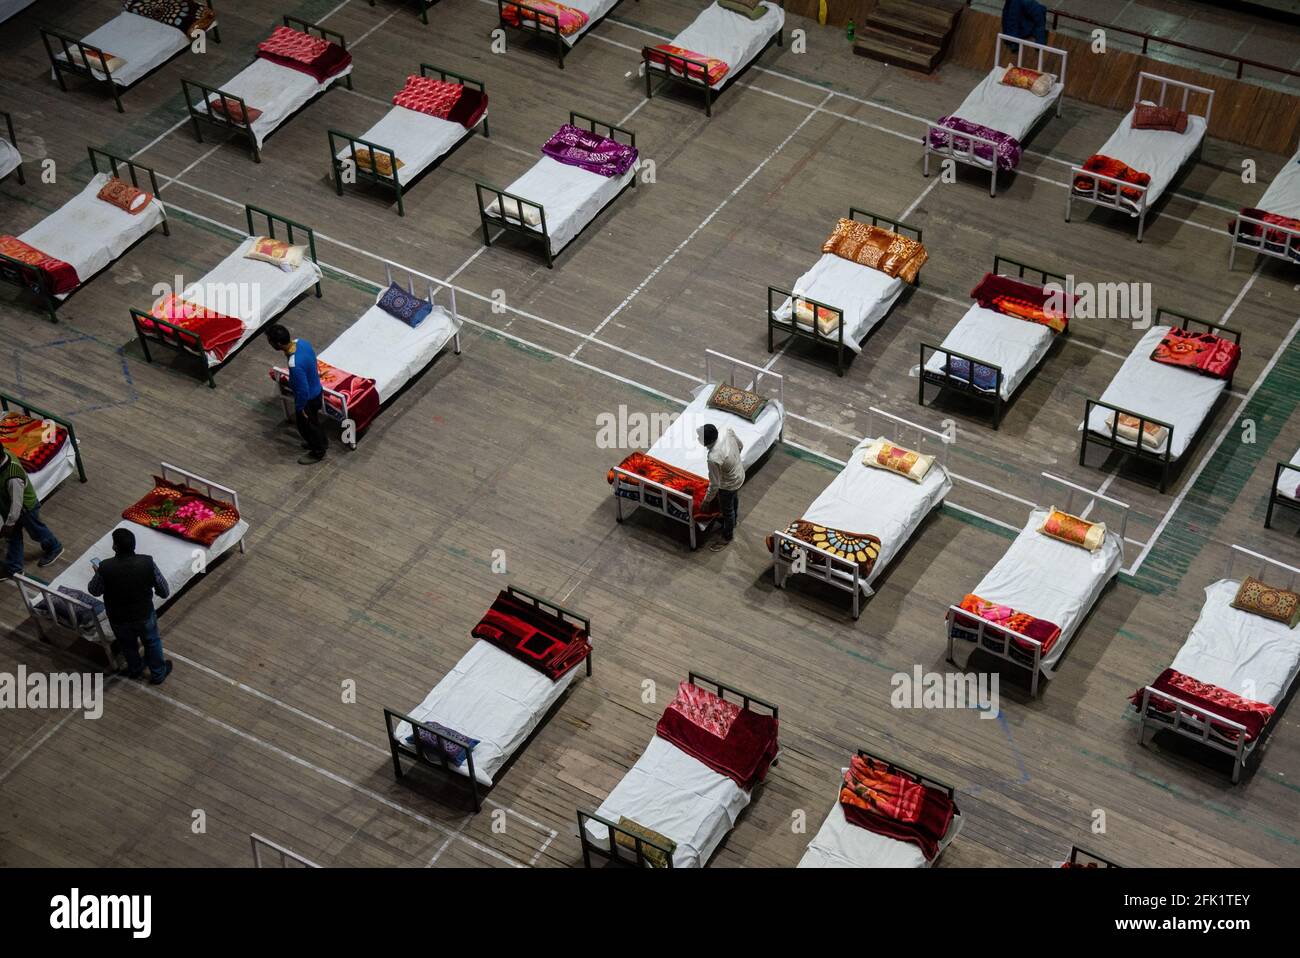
{"x":1069,"y":203}
{"x":1232,"y":254}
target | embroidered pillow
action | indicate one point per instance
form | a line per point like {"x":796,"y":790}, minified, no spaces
{"x":277,"y":253}
{"x":747,"y":9}
{"x":94,"y":61}
{"x":882,"y":454}
{"x":1153,"y":436}
{"x":380,"y":163}
{"x":410,"y":309}
{"x":741,"y":402}
{"x":125,"y":196}
{"x":1039,"y":84}
{"x":187,"y":16}
{"x":828,"y":320}
{"x":1146,"y":116}
{"x":236,"y":111}
{"x":1078,"y":532}
{"x":455,"y":753}
{"x":1277,"y":604}
{"x":654,"y":857}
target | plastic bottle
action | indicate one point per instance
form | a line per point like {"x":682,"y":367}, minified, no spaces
{"x":849,"y":32}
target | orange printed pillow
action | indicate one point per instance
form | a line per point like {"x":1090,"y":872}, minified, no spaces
{"x":277,"y":253}
{"x":93,"y":61}
{"x":125,"y":196}
{"x":381,"y":163}
{"x":1153,"y":436}
{"x":1072,"y":529}
{"x":882,"y":454}
{"x":234,"y":110}
{"x":828,"y":320}
{"x":1281,"y":605}
{"x":1039,"y":84}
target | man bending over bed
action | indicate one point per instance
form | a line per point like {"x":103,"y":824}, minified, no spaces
{"x":304,"y":380}
{"x":726,"y":476}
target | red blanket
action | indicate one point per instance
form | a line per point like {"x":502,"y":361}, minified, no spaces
{"x":685,"y":482}
{"x":1217,"y":701}
{"x":744,"y":750}
{"x":1201,"y":352}
{"x":535,"y":637}
{"x":569,"y":19}
{"x":1021,"y":300}
{"x":305,"y":53}
{"x":363,"y":398}
{"x":58,"y":276}
{"x":205,"y":330}
{"x":889,"y":803}
{"x":28,"y":441}
{"x":449,"y":101}
{"x":674,"y":59}
{"x":180,"y":510}
{"x":1027,"y":625}
{"x":1273,"y":237}
{"x":1109,"y":166}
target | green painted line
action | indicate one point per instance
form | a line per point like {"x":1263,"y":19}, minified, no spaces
{"x":1131,"y":636}
{"x":816,"y":458}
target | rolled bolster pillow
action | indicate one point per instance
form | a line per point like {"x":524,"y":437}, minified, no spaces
{"x":125,"y":196}
{"x":530,"y":215}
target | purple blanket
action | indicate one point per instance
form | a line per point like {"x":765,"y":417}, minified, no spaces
{"x":591,"y":151}
{"x":1009,"y":148}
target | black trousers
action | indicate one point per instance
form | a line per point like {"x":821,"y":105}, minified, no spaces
{"x":308,"y":421}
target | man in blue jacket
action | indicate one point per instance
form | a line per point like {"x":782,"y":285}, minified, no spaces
{"x":304,"y":380}
{"x":1025,"y":19}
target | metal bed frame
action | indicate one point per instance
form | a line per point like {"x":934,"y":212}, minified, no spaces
{"x":424,"y":9}
{"x":969,"y":155}
{"x":10,"y":402}
{"x":1136,"y":450}
{"x":287,"y":859}
{"x":66,"y":65}
{"x":1079,"y":856}
{"x":1276,"y":498}
{"x":515,"y":223}
{"x":1002,"y":642}
{"x":837,"y":572}
{"x":1136,"y":209}
{"x":223,"y":121}
{"x":545,"y":26}
{"x":13,"y":141}
{"x":371,"y":173}
{"x":1288,"y":251}
{"x":671,"y":60}
{"x":1197,"y":722}
{"x":613,"y":855}
{"x":945,"y":380}
{"x":793,"y":329}
{"x":336,"y":404}
{"x":17,"y":273}
{"x":435,"y":758}
{"x":655,"y":497}
{"x":49,"y":607}
{"x":185,"y":341}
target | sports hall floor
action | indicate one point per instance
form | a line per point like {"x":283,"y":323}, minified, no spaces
{"x":373,"y":566}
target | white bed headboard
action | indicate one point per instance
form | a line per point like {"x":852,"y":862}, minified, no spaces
{"x":727,"y":367}
{"x":435,"y":286}
{"x":1061,"y":493}
{"x":1038,"y":55}
{"x":1148,"y":81}
{"x":1263,"y":568}
{"x":908,"y":434}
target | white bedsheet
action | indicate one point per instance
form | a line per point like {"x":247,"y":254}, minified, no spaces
{"x":1159,"y":153}
{"x":88,"y":233}
{"x":841,"y":844}
{"x":680,"y":446}
{"x":10,"y":158}
{"x":570,"y":196}
{"x":142,"y":42}
{"x":677,"y":796}
{"x":878,"y":502}
{"x":1180,"y":397}
{"x":275,"y":290}
{"x":383,"y":348}
{"x":1244,"y":653}
{"x":1017,"y":346}
{"x":1283,"y":194}
{"x":48,"y":477}
{"x":1007,"y":109}
{"x":417,"y":138}
{"x":729,"y":37}
{"x":1052,"y":580}
{"x":278,"y":91}
{"x":864,"y":294}
{"x":1288,"y":483}
{"x":491,"y":696}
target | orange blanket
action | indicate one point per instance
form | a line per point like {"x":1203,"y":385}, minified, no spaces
{"x":209,"y":331}
{"x":569,"y":19}
{"x":656,"y":470}
{"x":31,"y":441}
{"x":880,"y":249}
{"x":674,"y":59}
{"x":1116,"y":170}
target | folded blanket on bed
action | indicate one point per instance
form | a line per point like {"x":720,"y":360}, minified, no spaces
{"x":642,"y":464}
{"x":242,"y":114}
{"x":854,"y":547}
{"x":1009,"y":150}
{"x":210,"y":332}
{"x":733,"y":741}
{"x":1212,"y":698}
{"x":1116,"y":170}
{"x":894,"y":255}
{"x":305,"y":52}
{"x":674,"y":60}
{"x":1021,"y":300}
{"x":1273,"y":237}
{"x":1204,"y":353}
{"x":362,"y":396}
{"x":537,"y":638}
{"x":29,"y":440}
{"x":895,"y":805}
{"x":443,"y":99}
{"x":183,"y":511}
{"x":570,"y":20}
{"x":1040,"y":630}
{"x":590,"y":151}
{"x":46,"y":271}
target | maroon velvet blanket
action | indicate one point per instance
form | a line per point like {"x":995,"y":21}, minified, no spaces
{"x":744,"y":750}
{"x":304,"y":52}
{"x":535,"y":637}
{"x":1274,"y":238}
{"x":1215,"y":700}
{"x":1009,"y":149}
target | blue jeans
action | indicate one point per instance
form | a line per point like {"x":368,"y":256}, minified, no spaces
{"x":29,"y":521}
{"x":728,"y":502}
{"x":130,"y":635}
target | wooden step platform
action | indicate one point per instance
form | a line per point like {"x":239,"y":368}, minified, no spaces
{"x":909,"y":33}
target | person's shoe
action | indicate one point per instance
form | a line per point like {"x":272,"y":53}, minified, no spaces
{"x":51,"y":558}
{"x":167,"y":670}
{"x":719,"y":545}
{"x":310,"y":459}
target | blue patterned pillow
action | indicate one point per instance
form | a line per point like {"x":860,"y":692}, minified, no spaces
{"x":455,"y":753}
{"x":409,"y":309}
{"x":986,"y":377}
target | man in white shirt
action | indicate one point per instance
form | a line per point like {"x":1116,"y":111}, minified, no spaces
{"x":726,"y":476}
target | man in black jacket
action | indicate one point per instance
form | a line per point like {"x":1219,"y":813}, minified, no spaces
{"x":128,"y":583}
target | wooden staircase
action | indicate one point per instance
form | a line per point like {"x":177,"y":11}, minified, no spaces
{"x":908,"y":33}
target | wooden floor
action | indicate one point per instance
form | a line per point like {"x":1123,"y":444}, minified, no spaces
{"x":373,"y":567}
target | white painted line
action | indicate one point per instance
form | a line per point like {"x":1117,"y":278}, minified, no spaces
{"x":12,"y":767}
{"x":633,"y":112}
